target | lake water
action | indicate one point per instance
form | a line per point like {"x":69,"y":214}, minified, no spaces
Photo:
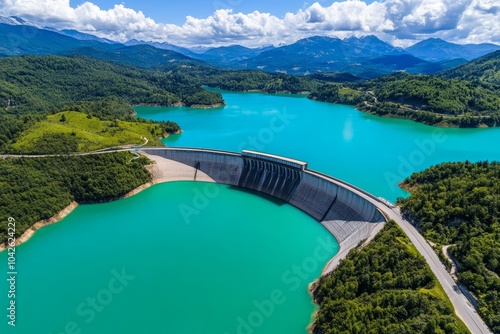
{"x":240,"y":263}
{"x":138,"y":266}
{"x":369,"y":151}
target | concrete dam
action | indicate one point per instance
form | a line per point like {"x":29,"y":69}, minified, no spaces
{"x":349,"y":213}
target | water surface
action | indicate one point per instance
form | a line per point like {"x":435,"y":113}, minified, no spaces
{"x":372,"y":152}
{"x":170,"y":260}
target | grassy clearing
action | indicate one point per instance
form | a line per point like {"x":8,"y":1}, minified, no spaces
{"x":87,"y":133}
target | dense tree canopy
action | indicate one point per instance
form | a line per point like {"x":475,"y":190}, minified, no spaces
{"x":483,"y":71}
{"x":34,"y":189}
{"x":33,"y":86}
{"x":386,"y":287}
{"x":459,"y":203}
{"x":423,"y":98}
{"x":243,"y":81}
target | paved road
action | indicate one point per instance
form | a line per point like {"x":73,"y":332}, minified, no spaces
{"x":463,"y":308}
{"x":122,"y":148}
{"x":105,"y":151}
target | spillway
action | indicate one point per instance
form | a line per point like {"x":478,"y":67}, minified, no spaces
{"x":271,"y":178}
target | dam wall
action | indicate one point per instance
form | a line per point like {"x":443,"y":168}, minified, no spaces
{"x":349,"y":213}
{"x":275,"y":176}
{"x":222,"y":167}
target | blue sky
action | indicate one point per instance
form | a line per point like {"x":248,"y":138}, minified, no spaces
{"x":256,"y":23}
{"x":176,"y":11}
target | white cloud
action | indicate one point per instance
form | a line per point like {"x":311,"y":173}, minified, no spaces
{"x":397,"y":21}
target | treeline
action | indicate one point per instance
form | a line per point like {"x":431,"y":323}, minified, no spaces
{"x":483,"y":71}
{"x":385,"y":287}
{"x":50,"y":83}
{"x":33,"y":86}
{"x":467,"y":96}
{"x":422,"y":98}
{"x":337,"y":94}
{"x":443,"y":96}
{"x":243,"y":81}
{"x":36,"y":189}
{"x":459,"y":203}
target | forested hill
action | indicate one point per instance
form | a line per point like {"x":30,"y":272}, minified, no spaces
{"x":47,"y":83}
{"x":386,"y":287}
{"x":459,"y":204}
{"x":140,"y":55}
{"x":33,"y":86}
{"x":245,"y":80}
{"x":452,"y":99}
{"x":484,"y":71}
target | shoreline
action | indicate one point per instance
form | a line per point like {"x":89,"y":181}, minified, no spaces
{"x":206,"y":106}
{"x":332,"y":264}
{"x":281,"y":92}
{"x":62,"y":214}
{"x":28,"y":234}
{"x":444,"y":124}
{"x":41,"y":224}
{"x":181,"y":104}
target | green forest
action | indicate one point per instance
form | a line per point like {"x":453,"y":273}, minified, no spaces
{"x":242,"y":81}
{"x":385,"y":287}
{"x":32,"y":87}
{"x":422,"y":98}
{"x":467,"y":96}
{"x":459,"y":204}
{"x":35,"y":189}
{"x":51,"y":83}
{"x":482,"y":72}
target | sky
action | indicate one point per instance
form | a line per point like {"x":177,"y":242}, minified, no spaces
{"x":172,"y":12}
{"x":256,"y":23}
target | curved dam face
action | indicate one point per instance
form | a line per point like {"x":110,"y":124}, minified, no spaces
{"x":349,"y":213}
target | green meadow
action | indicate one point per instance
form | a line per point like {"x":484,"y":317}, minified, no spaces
{"x":71,"y":131}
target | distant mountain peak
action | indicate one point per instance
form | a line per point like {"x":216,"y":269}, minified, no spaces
{"x":17,"y":21}
{"x":363,"y":38}
{"x":436,"y":49}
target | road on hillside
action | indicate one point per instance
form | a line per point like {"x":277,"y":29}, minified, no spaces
{"x":463,"y":307}
{"x":105,"y":151}
{"x":122,"y":148}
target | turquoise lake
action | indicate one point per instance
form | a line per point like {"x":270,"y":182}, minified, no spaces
{"x":242,"y":264}
{"x":137,"y":266}
{"x":369,"y":151}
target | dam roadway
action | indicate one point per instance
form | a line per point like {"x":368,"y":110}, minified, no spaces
{"x":351,"y":214}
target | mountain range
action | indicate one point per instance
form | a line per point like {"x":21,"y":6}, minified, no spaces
{"x":365,"y":57}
